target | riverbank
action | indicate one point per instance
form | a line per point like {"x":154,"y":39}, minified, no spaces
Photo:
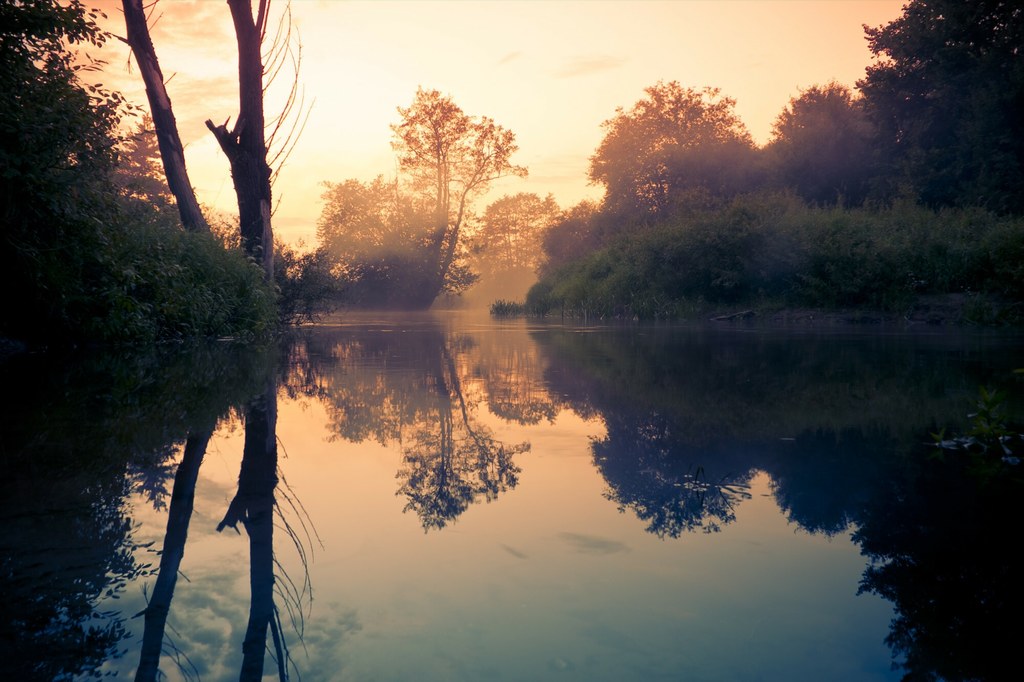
{"x":936,"y":310}
{"x":946,"y":310}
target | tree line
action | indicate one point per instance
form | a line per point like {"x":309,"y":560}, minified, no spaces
{"x":932,"y":134}
{"x":908,"y":184}
{"x":905,"y":187}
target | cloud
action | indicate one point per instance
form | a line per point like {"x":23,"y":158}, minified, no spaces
{"x":592,"y":544}
{"x":510,"y":57}
{"x":587,"y":65}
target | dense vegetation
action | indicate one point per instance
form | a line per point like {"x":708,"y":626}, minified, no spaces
{"x":911,"y":186}
{"x":771,"y":251}
{"x":95,"y":253}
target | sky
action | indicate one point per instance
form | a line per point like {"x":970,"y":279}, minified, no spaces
{"x":551,"y":71}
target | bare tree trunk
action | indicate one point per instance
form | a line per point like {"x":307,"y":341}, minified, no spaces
{"x":245,"y":145}
{"x":180,"y":512}
{"x":171,"y":152}
{"x":253,"y":506}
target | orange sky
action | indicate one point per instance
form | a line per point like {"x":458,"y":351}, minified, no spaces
{"x":549,"y":70}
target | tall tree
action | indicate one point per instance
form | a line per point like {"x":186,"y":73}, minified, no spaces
{"x":510,"y":234}
{"x":451,"y":157}
{"x":171,"y":151}
{"x":947,"y":91}
{"x":673,"y":141}
{"x":378,"y":236}
{"x":245,"y":143}
{"x":822,"y":146}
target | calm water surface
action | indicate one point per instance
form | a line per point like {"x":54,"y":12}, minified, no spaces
{"x":445,"y":497}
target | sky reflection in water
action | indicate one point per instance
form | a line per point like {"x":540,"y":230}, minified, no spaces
{"x":481,"y":501}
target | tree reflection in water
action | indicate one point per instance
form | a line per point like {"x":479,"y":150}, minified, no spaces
{"x":178,"y":516}
{"x":83,"y":434}
{"x":938,"y":533}
{"x":675,"y":489}
{"x":411,"y":390}
{"x":838,"y":429}
{"x":941,"y":544}
{"x":255,"y":507}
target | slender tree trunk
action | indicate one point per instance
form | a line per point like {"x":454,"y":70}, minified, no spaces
{"x":245,"y":144}
{"x":253,"y":506}
{"x":171,"y":152}
{"x":182,"y":500}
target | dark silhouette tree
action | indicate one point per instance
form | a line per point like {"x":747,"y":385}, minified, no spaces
{"x":946,"y":91}
{"x":139,"y":173}
{"x":822,"y":146}
{"x":674,"y":145}
{"x":245,"y":143}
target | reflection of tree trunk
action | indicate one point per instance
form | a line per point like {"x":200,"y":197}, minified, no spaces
{"x":446,"y":435}
{"x":179,"y":514}
{"x":253,"y":506}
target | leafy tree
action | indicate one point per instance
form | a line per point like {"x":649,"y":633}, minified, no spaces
{"x":509,"y":238}
{"x":574,"y":233}
{"x":361,"y":221}
{"x":56,"y":150}
{"x":822,"y":146}
{"x":947,"y":91}
{"x":676,"y":141}
{"x":378,"y":237}
{"x":451,"y":158}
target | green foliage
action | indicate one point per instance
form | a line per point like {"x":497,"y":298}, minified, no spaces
{"x":673,"y":139}
{"x":990,"y":435}
{"x":92,"y":259}
{"x":306,"y":288}
{"x":946,"y":93}
{"x":503,"y":308}
{"x":163,"y":284}
{"x":769,"y":250}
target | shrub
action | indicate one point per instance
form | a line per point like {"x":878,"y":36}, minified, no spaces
{"x":773,"y":248}
{"x":503,"y":308}
{"x":164,"y":284}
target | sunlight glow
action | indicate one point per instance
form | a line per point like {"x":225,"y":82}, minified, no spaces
{"x":551,"y":72}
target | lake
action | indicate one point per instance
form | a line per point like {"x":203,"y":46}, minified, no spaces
{"x":449,"y":497}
